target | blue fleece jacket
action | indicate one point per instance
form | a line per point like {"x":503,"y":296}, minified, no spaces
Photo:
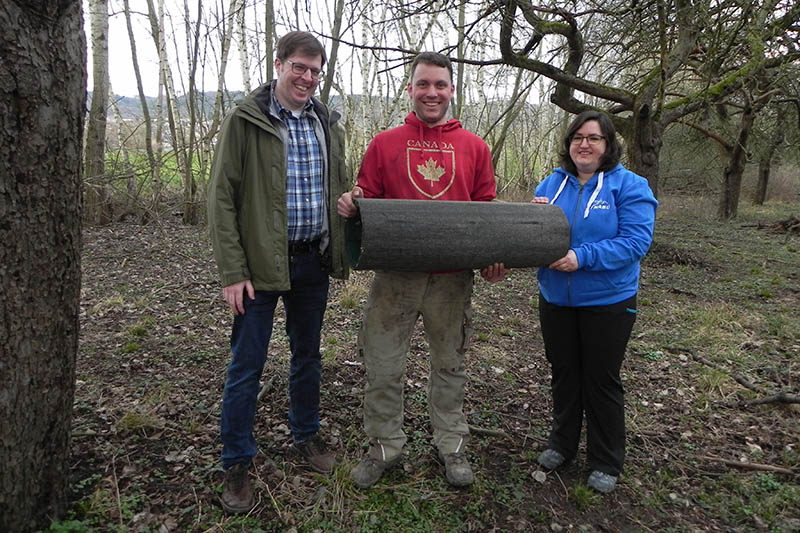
{"x":611,"y":220}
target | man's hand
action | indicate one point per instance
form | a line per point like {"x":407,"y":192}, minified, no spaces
{"x":494,"y":273}
{"x":345,"y":205}
{"x":233,"y":294}
{"x":540,"y":200}
{"x":568,"y":263}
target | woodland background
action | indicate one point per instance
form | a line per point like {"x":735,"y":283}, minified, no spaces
{"x":114,"y":337}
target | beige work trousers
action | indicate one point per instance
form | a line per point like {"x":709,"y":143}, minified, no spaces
{"x":395,"y":302}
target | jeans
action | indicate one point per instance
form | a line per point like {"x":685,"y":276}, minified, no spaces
{"x":585,"y":347}
{"x":305,"y":306}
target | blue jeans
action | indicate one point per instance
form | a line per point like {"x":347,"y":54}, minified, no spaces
{"x":305,"y":307}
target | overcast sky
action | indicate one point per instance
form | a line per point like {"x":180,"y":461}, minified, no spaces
{"x":123,"y":79}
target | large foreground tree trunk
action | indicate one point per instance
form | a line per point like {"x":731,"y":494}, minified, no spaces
{"x":42,"y":105}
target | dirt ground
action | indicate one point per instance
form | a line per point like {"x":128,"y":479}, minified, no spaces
{"x":713,"y":307}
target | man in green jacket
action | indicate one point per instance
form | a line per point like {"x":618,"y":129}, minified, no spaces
{"x":278,"y":168}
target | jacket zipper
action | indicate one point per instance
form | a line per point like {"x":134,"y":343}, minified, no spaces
{"x":574,"y":221}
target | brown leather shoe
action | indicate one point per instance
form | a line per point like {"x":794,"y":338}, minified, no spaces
{"x":237,"y":491}
{"x":318,"y":457}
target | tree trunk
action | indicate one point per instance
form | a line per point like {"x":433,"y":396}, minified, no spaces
{"x":156,"y":29}
{"x":125,"y":169}
{"x":644,"y":146}
{"x":42,"y":106}
{"x":190,"y":208}
{"x":244,"y":57}
{"x":516,"y":101}
{"x":460,"y":81}
{"x":98,"y":209}
{"x":732,"y":175}
{"x":331,"y":66}
{"x":765,"y":163}
{"x":236,"y":6}
{"x":148,"y":128}
{"x":269,"y":38}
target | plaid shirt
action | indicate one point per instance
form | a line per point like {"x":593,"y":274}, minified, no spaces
{"x":304,"y":176}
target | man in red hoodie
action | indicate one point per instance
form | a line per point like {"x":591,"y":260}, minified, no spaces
{"x":427,"y":158}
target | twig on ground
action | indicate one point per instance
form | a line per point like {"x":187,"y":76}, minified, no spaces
{"x":199,"y":505}
{"x":116,"y":488}
{"x":489,"y":432}
{"x":265,"y":388}
{"x":563,"y":486}
{"x":274,"y":504}
{"x":778,"y":397}
{"x":748,"y":466}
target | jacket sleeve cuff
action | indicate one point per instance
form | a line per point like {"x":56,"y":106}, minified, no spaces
{"x":582,"y":256}
{"x":231,"y":277}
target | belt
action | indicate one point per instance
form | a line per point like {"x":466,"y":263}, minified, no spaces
{"x":303,"y":247}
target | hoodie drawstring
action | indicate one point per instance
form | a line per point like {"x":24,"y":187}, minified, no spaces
{"x":592,"y":198}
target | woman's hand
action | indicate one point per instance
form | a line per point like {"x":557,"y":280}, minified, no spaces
{"x":568,"y":263}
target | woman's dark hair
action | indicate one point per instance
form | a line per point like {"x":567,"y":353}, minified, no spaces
{"x":301,"y":42}
{"x":613,"y":148}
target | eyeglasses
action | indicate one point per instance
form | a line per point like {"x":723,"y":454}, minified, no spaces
{"x":300,"y":69}
{"x":593,"y":139}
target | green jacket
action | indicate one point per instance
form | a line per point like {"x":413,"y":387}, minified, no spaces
{"x":247,"y":217}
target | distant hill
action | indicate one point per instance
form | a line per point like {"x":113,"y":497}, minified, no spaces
{"x":130,"y":107}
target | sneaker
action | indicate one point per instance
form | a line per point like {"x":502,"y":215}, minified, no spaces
{"x":315,"y":452}
{"x":369,"y":471}
{"x":550,"y":459}
{"x":237,"y":492}
{"x":601,"y":482}
{"x":457,"y":469}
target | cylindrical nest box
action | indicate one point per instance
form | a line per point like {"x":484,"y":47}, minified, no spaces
{"x":436,"y":235}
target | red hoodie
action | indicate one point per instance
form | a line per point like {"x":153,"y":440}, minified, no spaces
{"x":415,"y":162}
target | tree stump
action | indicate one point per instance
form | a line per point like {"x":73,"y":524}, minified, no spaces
{"x":432,"y":236}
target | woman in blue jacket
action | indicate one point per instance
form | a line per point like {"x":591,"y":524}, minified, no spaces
{"x":587,"y":299}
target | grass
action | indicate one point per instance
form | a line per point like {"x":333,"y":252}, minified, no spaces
{"x":133,"y":421}
{"x":727,"y":291}
{"x":584,"y":497}
{"x":354,"y":292}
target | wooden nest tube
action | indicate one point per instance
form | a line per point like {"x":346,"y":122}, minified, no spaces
{"x":435,"y":235}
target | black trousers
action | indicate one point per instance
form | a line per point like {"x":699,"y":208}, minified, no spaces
{"x":585,"y":347}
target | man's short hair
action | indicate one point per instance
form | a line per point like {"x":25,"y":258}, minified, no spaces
{"x":301,"y":42}
{"x":432,"y":58}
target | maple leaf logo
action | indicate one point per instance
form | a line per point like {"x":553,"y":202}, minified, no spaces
{"x":431,"y":170}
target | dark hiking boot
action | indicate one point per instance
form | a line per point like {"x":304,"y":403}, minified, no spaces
{"x":237,"y":491}
{"x":318,"y":457}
